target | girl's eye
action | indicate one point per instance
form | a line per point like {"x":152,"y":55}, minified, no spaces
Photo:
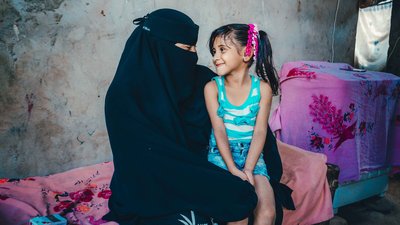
{"x":213,"y":52}
{"x":222,"y":49}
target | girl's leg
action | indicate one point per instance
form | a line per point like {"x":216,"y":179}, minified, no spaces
{"x":265,"y":210}
{"x":242,"y":222}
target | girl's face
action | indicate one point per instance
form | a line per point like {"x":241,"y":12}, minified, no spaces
{"x":227,"y":58}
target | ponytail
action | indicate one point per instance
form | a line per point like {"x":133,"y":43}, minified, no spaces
{"x":264,"y":64}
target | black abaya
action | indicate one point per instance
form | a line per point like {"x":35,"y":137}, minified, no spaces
{"x":158,"y":124}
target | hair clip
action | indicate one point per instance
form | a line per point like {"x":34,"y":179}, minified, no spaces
{"x":252,"y":40}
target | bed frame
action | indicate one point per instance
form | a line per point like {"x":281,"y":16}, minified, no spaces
{"x":371,"y":183}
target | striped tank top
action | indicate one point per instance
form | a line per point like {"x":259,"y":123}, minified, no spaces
{"x":239,"y":120}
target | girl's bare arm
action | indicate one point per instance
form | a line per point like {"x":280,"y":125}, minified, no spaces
{"x":260,"y":128}
{"x":211,"y":98}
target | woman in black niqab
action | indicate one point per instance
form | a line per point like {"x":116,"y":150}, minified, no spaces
{"x":158,"y":128}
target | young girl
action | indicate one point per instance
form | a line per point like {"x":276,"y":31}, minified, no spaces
{"x":239,"y":104}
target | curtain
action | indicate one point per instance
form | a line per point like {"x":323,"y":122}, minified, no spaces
{"x":372,"y":38}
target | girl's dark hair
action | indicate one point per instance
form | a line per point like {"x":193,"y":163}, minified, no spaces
{"x":264,"y":64}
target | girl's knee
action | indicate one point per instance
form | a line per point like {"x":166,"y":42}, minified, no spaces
{"x":269,"y":213}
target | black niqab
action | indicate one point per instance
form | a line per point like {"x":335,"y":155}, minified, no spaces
{"x":158,"y":128}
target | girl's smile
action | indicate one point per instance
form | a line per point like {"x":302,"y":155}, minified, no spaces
{"x":227,"y":58}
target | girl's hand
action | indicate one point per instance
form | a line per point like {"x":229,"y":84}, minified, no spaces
{"x":249,"y":174}
{"x":239,"y":174}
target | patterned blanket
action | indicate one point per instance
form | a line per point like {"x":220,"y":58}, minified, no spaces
{"x":350,"y":115}
{"x":81,"y":194}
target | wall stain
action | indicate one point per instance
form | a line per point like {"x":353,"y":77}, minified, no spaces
{"x":29,"y":100}
{"x":91,"y":132}
{"x":298,"y":6}
{"x":80,"y":141}
{"x":18,"y":131}
{"x":44,"y":131}
{"x":57,"y":17}
{"x":39,"y":6}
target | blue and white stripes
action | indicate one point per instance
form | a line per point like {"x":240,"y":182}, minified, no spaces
{"x":239,"y":120}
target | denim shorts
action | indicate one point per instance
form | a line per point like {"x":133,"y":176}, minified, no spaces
{"x":239,"y":154}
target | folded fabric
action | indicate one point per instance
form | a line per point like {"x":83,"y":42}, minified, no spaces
{"x":305,"y":173}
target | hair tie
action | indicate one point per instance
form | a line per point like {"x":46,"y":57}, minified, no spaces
{"x":252,"y":40}
{"x":140,"y":20}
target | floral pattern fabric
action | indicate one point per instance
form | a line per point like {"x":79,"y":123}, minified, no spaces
{"x":81,"y":195}
{"x":347,"y":114}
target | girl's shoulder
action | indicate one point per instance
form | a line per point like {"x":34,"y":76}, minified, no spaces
{"x":255,"y":77}
{"x":265,"y":88}
{"x":217,"y":79}
{"x":262,"y":82}
{"x":211,"y":86}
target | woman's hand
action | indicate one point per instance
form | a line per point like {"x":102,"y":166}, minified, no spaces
{"x":249,"y":174}
{"x":239,"y":174}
